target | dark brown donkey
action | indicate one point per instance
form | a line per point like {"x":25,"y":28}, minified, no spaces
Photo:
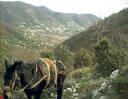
{"x":29,"y":77}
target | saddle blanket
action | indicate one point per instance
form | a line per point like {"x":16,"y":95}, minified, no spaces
{"x":47,"y":67}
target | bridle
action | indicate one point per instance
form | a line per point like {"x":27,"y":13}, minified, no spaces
{"x":17,"y":78}
{"x":8,"y":90}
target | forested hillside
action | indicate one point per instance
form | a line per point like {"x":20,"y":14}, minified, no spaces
{"x":114,"y":28}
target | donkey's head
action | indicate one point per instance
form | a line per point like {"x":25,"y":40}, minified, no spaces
{"x":10,"y":77}
{"x":9,"y":73}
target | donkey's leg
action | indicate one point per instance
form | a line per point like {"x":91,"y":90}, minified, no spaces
{"x":60,"y":81}
{"x":37,"y":96}
{"x":29,"y":96}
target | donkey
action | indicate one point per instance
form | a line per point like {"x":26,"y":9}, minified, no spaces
{"x":28,"y":76}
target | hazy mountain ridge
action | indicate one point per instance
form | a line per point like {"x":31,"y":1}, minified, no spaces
{"x":19,"y":12}
{"x":25,"y":12}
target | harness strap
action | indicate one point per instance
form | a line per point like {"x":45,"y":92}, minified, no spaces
{"x":29,"y":82}
{"x":55,"y":71}
{"x":48,"y":71}
{"x":53,"y":66}
{"x":38,"y":82}
{"x":16,"y":77}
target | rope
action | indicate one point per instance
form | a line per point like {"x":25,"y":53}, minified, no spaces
{"x":48,"y":71}
{"x":39,"y":81}
{"x":16,"y":77}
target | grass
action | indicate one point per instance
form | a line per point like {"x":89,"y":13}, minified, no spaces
{"x":82,"y":78}
{"x":82,"y":72}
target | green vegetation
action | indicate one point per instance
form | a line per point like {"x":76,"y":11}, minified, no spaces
{"x":63,"y":54}
{"x":113,"y":28}
{"x":48,"y":54}
{"x":82,"y":58}
{"x":107,"y":41}
{"x":82,"y":72}
{"x":120,"y":85}
{"x":108,"y":58}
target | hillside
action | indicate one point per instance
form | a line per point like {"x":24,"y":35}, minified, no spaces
{"x":31,"y":27}
{"x":114,"y":28}
{"x":21,"y":14}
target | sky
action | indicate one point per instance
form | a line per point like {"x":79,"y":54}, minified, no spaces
{"x":100,"y":8}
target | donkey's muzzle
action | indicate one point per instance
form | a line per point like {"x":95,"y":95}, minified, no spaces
{"x":7,"y":92}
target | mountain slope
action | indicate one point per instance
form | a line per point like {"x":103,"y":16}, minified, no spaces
{"x":15,"y":46}
{"x":17,"y":13}
{"x":14,"y":12}
{"x":114,"y":28}
{"x":40,"y":26}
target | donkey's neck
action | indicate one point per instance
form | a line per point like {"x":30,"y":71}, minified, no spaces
{"x":26,"y":72}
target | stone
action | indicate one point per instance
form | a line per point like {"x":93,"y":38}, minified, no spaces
{"x":104,"y":85}
{"x":103,"y":97}
{"x":75,"y":94}
{"x":51,"y":94}
{"x":73,"y":89}
{"x":96,"y":94}
{"x":114,"y":74}
{"x":77,"y":86}
{"x":105,"y":88}
{"x":69,"y":89}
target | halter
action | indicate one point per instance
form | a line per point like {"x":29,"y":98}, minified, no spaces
{"x":16,"y":77}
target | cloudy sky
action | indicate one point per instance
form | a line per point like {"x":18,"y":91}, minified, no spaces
{"x":101,"y":8}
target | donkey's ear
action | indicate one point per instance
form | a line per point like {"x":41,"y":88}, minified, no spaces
{"x":6,"y":63}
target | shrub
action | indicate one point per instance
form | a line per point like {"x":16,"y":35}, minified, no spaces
{"x":120,"y":84}
{"x":82,"y":58}
{"x":47,"y":54}
{"x":108,"y":58}
{"x":77,"y":75}
{"x":63,"y":54}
